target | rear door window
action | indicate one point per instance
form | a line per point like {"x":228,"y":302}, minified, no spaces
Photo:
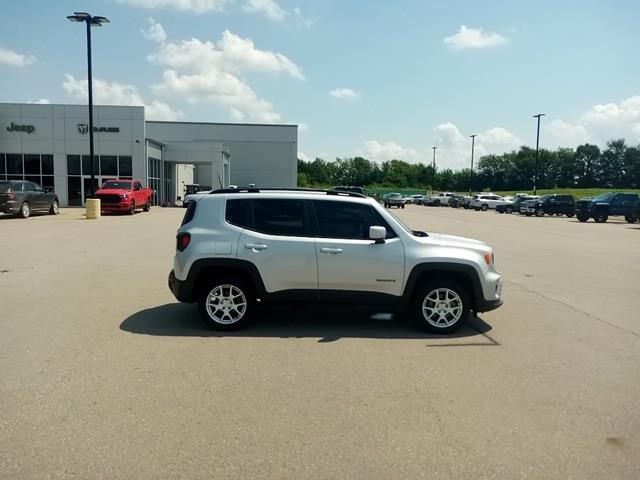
{"x":283,"y":217}
{"x":238,"y":213}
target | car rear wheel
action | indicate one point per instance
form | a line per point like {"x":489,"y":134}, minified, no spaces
{"x":25,"y":210}
{"x":509,"y":210}
{"x":147,"y":206}
{"x":441,"y":306}
{"x":484,"y":207}
{"x":539,"y":213}
{"x":630,"y":219}
{"x":54,"y":210}
{"x":569,"y":215}
{"x":226,"y":303}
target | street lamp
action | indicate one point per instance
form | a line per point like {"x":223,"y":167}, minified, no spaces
{"x":535,"y":174}
{"x":473,"y":144}
{"x":433,"y":170}
{"x":91,"y":21}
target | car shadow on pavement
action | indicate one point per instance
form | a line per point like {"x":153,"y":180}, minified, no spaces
{"x":182,"y":320}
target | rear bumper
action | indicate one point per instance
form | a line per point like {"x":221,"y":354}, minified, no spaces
{"x":9,"y":208}
{"x":183,"y":291}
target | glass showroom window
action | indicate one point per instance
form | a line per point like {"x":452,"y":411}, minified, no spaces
{"x":3,"y":167}
{"x":125,"y":166}
{"x":154,"y":170}
{"x":34,"y":167}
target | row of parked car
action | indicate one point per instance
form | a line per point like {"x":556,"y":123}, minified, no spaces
{"x":598,"y":208}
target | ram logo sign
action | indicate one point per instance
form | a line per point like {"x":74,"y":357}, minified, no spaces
{"x":83,"y":128}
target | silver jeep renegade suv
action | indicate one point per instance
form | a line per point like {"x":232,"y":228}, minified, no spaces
{"x":239,"y":247}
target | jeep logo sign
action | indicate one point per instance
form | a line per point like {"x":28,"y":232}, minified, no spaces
{"x":83,"y":128}
{"x":21,"y":128}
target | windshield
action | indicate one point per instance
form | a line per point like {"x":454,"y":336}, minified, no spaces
{"x":544,"y":198}
{"x":113,"y":184}
{"x":604,"y":197}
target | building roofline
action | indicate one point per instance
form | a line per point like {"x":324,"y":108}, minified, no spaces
{"x":227,"y":123}
{"x":70,"y":105}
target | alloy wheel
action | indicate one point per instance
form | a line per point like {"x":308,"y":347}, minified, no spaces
{"x":226,"y":304}
{"x":442,"y":307}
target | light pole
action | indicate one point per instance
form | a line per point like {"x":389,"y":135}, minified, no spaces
{"x":433,"y":170}
{"x":535,"y":173}
{"x":473,"y":144}
{"x":91,"y":21}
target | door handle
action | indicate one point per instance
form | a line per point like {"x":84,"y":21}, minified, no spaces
{"x":256,"y":247}
{"x":331,"y":251}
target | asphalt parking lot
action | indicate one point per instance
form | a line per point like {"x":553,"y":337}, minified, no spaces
{"x":104,"y":375}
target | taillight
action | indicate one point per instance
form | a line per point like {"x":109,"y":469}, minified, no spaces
{"x":183,"y":240}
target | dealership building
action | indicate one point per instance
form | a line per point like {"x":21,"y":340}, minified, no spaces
{"x":49,"y":145}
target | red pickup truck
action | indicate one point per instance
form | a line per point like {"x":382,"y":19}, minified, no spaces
{"x":124,"y":196}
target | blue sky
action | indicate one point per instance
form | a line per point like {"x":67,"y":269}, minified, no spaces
{"x":379,"y":79}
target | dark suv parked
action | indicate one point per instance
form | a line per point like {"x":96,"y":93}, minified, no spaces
{"x":609,"y":204}
{"x":556,"y":204}
{"x":19,"y":197}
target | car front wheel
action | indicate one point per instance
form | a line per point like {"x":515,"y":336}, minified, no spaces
{"x":441,"y":307}
{"x":132,"y":208}
{"x":226,"y":303}
{"x":54,"y":210}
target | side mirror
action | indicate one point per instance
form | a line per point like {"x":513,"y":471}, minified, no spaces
{"x":378,"y":234}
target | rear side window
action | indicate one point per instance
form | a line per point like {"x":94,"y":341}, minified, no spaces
{"x":282,"y":217}
{"x":191,"y":211}
{"x":238,"y":213}
{"x":347,"y":220}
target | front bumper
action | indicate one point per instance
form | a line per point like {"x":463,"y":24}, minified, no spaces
{"x":115,"y":207}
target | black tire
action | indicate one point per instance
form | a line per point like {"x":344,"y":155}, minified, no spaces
{"x":569,"y":215}
{"x":25,"y":210}
{"x":239,"y":314}
{"x":601,"y":217}
{"x":539,"y":213}
{"x":54,"y":209}
{"x":402,"y":206}
{"x":458,"y":301}
{"x":509,"y":210}
{"x":386,"y":205}
{"x":436,"y":203}
{"x":132,"y":208}
{"x":484,"y":207}
{"x":583,"y":218}
{"x":147,"y":206}
{"x":631,"y":219}
{"x":528,"y":214}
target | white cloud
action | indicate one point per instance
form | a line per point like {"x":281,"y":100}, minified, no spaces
{"x":304,"y":156}
{"x":469,"y":37}
{"x":11,"y":58}
{"x":195,"y":6}
{"x":199,"y":70}
{"x":346,"y":93}
{"x":454,"y":148}
{"x":232,"y":53}
{"x":155,"y":32}
{"x":41,"y":101}
{"x":382,"y":151}
{"x":598,"y":125}
{"x":266,"y":7}
{"x":222,"y":88}
{"x":114,"y":93}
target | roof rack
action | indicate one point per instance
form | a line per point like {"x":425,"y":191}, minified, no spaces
{"x":312,"y":190}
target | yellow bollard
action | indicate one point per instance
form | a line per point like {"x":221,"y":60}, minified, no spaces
{"x":93,"y":208}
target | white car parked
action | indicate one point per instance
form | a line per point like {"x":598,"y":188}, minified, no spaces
{"x":486,"y":201}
